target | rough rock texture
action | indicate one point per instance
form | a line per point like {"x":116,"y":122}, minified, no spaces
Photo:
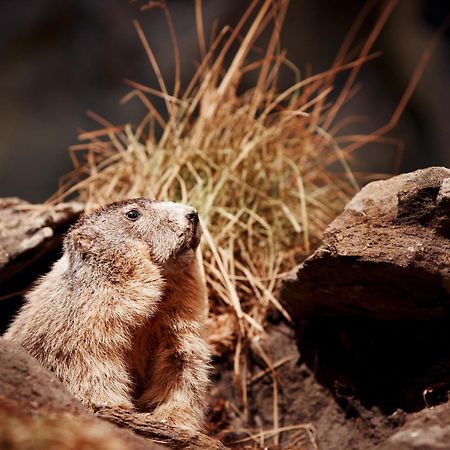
{"x":27,"y":231}
{"x":36,"y":412}
{"x":387,"y":256}
{"x":426,"y":430}
{"x":27,"y":386}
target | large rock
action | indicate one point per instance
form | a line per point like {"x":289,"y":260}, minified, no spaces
{"x":386,"y":256}
{"x":29,"y":231}
{"x":371,"y":309}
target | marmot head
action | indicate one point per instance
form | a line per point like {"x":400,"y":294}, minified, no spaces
{"x":170,"y":231}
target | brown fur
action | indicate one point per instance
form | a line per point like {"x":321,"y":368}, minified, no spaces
{"x":119,"y":318}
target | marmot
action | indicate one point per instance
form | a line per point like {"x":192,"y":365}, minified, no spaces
{"x":119,"y":318}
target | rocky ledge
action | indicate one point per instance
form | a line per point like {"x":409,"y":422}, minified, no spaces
{"x":387,"y":256}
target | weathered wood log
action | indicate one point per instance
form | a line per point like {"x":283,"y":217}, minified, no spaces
{"x":142,"y":424}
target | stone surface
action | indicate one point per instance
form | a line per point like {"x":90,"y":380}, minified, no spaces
{"x":29,"y":231}
{"x":387,"y":256}
{"x":428,"y":429}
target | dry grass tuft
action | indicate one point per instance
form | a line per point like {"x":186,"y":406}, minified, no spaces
{"x":254,"y":163}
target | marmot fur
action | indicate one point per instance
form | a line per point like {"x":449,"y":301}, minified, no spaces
{"x":119,"y":317}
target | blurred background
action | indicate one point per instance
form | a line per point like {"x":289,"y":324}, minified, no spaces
{"x":60,"y":59}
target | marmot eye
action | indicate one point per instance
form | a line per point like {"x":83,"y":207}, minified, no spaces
{"x":133,"y":214}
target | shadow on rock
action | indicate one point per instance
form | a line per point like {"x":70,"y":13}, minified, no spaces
{"x":390,"y":365}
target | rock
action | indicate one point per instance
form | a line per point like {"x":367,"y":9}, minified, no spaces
{"x":371,"y":308}
{"x":29,"y":231}
{"x":428,"y":429}
{"x":66,"y":432}
{"x":387,"y":256}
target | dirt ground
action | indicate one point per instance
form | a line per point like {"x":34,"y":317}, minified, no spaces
{"x":352,"y":390}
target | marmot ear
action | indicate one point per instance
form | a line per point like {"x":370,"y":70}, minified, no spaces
{"x":82,"y":240}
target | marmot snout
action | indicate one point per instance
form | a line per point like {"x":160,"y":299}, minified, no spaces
{"x":119,"y":318}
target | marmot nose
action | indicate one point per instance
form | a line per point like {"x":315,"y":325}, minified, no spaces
{"x":192,"y":217}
